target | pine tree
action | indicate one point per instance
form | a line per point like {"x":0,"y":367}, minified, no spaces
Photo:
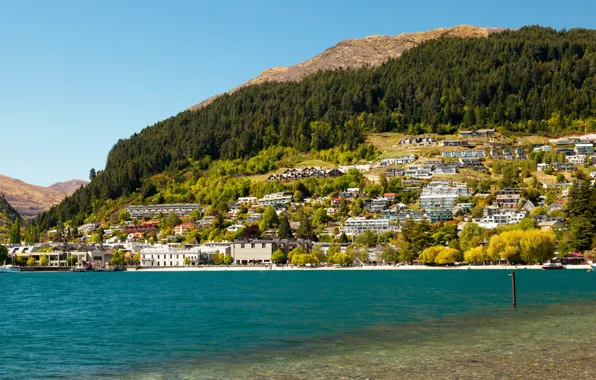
{"x":15,"y":233}
{"x":285,"y":231}
{"x":305,"y":230}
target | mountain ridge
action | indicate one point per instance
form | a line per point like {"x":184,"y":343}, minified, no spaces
{"x":30,"y":200}
{"x":370,"y":51}
{"x":68,"y":187}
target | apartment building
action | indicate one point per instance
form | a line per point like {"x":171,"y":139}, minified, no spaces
{"x":180,"y":209}
{"x":442,"y":195}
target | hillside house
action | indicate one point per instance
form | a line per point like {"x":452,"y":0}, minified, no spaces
{"x":508,"y":198}
{"x":578,"y":159}
{"x":454,"y":143}
{"x":478,"y":133}
{"x":584,"y":149}
{"x":393,"y":173}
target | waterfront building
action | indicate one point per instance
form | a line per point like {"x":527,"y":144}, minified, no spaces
{"x":166,"y":256}
{"x":256,"y":251}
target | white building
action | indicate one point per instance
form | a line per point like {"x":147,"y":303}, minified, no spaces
{"x":235,"y":227}
{"x":180,"y":209}
{"x":396,"y":161}
{"x":578,"y":159}
{"x":256,"y":251}
{"x":247,"y":200}
{"x":88,"y":228}
{"x":166,"y":256}
{"x":361,"y":168}
{"x":442,"y":194}
{"x":275,"y":199}
{"x":357,"y":225}
{"x":495,"y":217}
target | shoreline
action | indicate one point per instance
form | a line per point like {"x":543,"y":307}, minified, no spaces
{"x":223,"y":268}
{"x":379,"y":268}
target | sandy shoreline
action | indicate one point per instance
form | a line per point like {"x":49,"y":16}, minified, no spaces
{"x":399,"y":268}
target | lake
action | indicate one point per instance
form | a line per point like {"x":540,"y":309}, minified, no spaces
{"x":297,"y":325}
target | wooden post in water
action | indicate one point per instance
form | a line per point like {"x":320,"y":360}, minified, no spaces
{"x":513,"y":290}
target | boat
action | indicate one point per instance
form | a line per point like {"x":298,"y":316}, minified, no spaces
{"x":593,"y":266}
{"x":9,"y":268}
{"x":553,"y":266}
{"x":81,"y":268}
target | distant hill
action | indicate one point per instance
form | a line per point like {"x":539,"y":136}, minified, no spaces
{"x":68,"y":187}
{"x":370,"y":51}
{"x":30,"y":200}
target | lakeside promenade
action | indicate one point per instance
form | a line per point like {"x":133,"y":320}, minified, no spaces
{"x":233,"y":268}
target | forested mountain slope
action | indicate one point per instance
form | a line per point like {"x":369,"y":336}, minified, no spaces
{"x":370,"y":51}
{"x":8,"y":214}
{"x":533,"y":79}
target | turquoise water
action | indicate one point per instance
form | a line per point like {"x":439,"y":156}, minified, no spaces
{"x":294,"y":325}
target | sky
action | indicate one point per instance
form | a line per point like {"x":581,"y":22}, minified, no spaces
{"x":77,"y":76}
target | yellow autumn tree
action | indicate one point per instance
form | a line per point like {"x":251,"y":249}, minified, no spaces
{"x":428,"y":255}
{"x":448,"y":256}
{"x":475,"y":255}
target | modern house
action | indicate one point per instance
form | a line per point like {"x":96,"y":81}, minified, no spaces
{"x":584,"y":149}
{"x":508,"y":198}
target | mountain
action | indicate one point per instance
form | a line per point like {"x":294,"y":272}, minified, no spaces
{"x":533,"y":80}
{"x":68,"y":187}
{"x":370,"y":51}
{"x":7,"y":215}
{"x":29,"y":200}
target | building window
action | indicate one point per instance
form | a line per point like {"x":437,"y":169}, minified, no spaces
{"x":252,"y":245}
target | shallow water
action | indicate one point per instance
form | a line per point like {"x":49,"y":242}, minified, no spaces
{"x":297,"y":325}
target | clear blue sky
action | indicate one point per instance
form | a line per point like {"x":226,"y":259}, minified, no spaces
{"x":76,"y":76}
